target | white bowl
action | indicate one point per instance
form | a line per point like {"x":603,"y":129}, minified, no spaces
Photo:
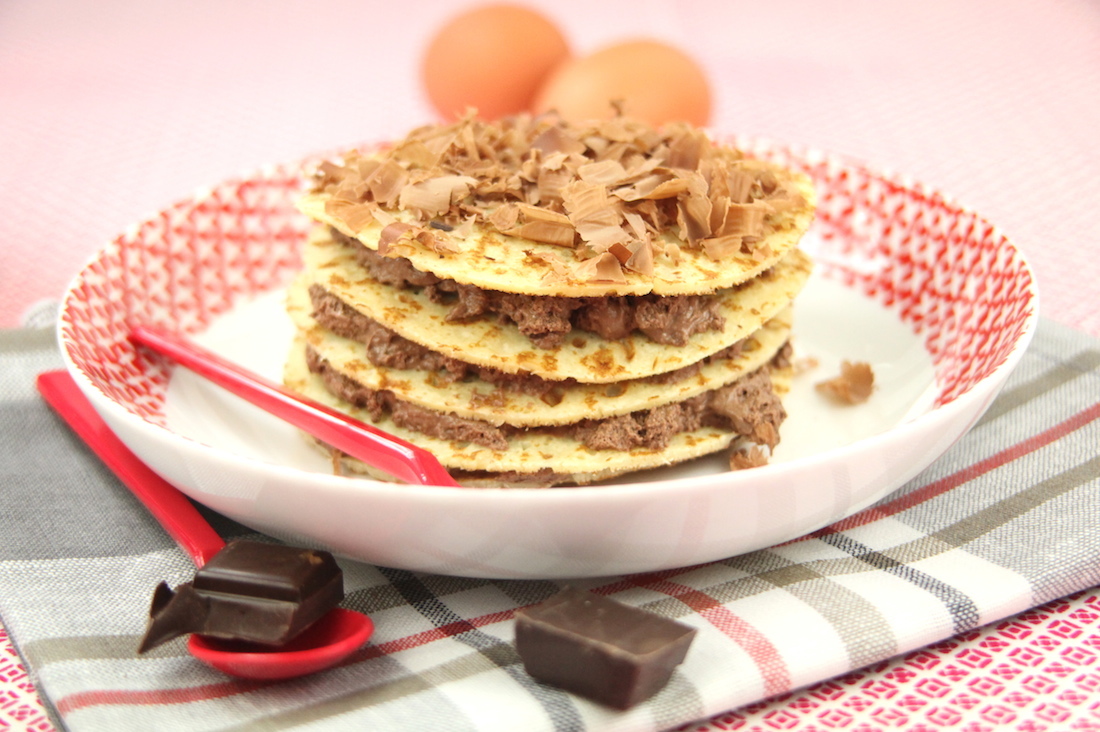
{"x":934,"y":297}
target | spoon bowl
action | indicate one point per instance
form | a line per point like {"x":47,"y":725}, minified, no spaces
{"x":324,"y":644}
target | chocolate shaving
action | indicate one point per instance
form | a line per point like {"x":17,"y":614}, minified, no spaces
{"x":386,"y":182}
{"x":753,"y":457}
{"x":435,"y":195}
{"x":718,"y":248}
{"x":601,"y":268}
{"x":537,"y":224}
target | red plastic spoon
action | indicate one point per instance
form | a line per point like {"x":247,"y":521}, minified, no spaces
{"x":373,"y":446}
{"x":327,"y":642}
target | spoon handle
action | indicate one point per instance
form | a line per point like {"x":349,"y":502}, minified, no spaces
{"x":172,"y":509}
{"x":371,"y":445}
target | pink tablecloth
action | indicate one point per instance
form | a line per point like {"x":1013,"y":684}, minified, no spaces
{"x":110,"y":110}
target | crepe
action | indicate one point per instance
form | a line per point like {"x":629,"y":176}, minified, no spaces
{"x":529,"y":457}
{"x":571,"y":402}
{"x":585,"y":357}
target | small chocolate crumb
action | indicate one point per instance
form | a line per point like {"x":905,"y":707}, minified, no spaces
{"x":853,"y":386}
{"x":753,"y":457}
{"x":805,"y":365}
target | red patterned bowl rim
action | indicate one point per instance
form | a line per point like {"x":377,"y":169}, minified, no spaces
{"x":949,"y":274}
{"x":929,"y":243}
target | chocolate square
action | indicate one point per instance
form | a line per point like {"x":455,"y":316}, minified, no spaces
{"x":601,"y":649}
{"x":249,"y":591}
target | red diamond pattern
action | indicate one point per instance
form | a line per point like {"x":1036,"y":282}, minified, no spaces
{"x":181,"y":268}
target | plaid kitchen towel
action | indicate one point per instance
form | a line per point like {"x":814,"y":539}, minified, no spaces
{"x":1008,"y":519}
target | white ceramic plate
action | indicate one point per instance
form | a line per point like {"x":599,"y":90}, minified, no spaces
{"x":931,"y":295}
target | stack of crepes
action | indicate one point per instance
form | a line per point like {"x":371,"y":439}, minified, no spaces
{"x":539,"y":303}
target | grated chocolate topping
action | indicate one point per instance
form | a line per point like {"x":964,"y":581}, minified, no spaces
{"x":603,"y":191}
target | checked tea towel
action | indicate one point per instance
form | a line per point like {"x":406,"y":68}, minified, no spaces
{"x":1008,"y":519}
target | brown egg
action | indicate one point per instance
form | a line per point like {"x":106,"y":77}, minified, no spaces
{"x":655,"y":81}
{"x":494,"y":58}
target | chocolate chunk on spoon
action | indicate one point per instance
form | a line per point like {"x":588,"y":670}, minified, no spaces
{"x":249,"y":591}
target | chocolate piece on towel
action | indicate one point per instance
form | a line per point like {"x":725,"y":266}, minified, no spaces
{"x":601,"y":649}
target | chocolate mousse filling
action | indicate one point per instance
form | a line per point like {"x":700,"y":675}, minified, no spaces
{"x":548,"y":320}
{"x":387,"y":349}
{"x":748,"y":406}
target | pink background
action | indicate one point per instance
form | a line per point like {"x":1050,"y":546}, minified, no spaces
{"x":110,"y":110}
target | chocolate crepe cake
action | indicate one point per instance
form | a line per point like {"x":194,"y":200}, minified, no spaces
{"x":540,"y":303}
